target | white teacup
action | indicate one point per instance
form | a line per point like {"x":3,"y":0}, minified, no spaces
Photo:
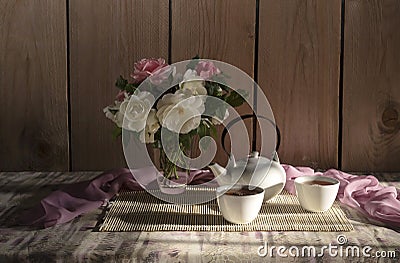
{"x":240,"y":209}
{"x":316,"y":193}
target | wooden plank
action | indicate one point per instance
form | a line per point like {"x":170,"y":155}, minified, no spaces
{"x":299,"y":55}
{"x":222,"y":30}
{"x":371,"y":99}
{"x":33,"y":91}
{"x":107,"y":37}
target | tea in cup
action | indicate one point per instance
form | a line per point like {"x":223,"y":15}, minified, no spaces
{"x":240,"y":204}
{"x":316,"y":193}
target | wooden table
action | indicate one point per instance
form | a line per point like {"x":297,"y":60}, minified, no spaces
{"x":77,"y":240}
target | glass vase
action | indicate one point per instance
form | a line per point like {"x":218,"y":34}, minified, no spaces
{"x":172,"y":179}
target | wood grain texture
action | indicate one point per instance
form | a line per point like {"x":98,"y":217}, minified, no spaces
{"x":222,"y":30}
{"x":33,"y":90}
{"x":371,"y":86}
{"x":107,"y":37}
{"x":299,"y":55}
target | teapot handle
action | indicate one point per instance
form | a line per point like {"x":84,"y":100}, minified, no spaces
{"x":247,"y":116}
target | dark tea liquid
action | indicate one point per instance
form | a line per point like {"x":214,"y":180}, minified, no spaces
{"x":243,"y":191}
{"x":318,"y":182}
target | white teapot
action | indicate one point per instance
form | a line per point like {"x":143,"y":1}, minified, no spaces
{"x":254,"y":170}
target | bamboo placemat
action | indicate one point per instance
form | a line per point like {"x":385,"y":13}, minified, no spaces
{"x":140,"y":211}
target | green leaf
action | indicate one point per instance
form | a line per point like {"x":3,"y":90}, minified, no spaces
{"x":157,"y":144}
{"x":205,"y":129}
{"x":219,"y":78}
{"x":184,"y":139}
{"x":213,"y":89}
{"x":124,"y":85}
{"x":192,"y":64}
{"x":215,"y":109}
{"x":202,"y":130}
{"x":117,"y":132}
{"x":225,"y":88}
{"x":243,"y":93}
{"x":213,"y":131}
{"x":130,"y":88}
{"x":121,"y":83}
{"x":236,"y":99}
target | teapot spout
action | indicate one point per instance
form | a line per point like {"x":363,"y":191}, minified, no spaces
{"x":217,"y":169}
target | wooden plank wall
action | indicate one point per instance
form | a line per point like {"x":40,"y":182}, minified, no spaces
{"x":33,"y":91}
{"x":106,"y":38}
{"x":299,"y":55}
{"x":222,"y":30}
{"x":371,"y":86}
{"x":332,"y":78}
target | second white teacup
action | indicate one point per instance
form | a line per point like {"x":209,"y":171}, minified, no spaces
{"x":316,"y":193}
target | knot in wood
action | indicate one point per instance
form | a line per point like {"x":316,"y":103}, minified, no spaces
{"x":390,"y":117}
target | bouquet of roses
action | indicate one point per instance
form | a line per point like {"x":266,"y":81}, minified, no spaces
{"x":180,"y":109}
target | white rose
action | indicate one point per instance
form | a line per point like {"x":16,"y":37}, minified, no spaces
{"x":112,"y":113}
{"x":119,"y":116}
{"x":193,"y":83}
{"x":135,"y":110}
{"x":152,"y":126}
{"x":195,"y":86}
{"x":180,"y":112}
{"x":190,"y":74}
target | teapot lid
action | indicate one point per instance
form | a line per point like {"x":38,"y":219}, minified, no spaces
{"x":253,"y":157}
{"x":254,"y":154}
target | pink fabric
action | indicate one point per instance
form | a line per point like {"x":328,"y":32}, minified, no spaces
{"x":73,"y":200}
{"x":361,"y":192}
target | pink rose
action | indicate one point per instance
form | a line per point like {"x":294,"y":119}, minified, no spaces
{"x":162,"y":74}
{"x":147,"y":67}
{"x":206,"y":69}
